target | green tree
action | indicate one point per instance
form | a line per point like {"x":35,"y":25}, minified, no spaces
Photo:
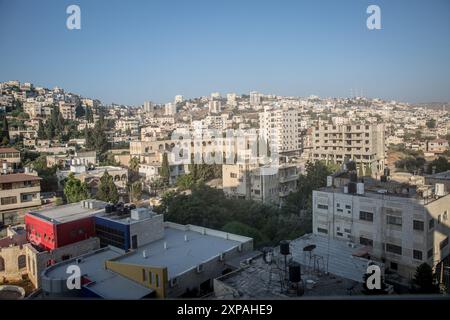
{"x":5,"y":130}
{"x":424,"y":280}
{"x":135,"y":190}
{"x":41,"y":134}
{"x":165,"y":169}
{"x":75,"y":190}
{"x":79,"y":110}
{"x":185,"y":182}
{"x":134,"y":164}
{"x":243,"y":229}
{"x":431,"y":123}
{"x":107,"y":190}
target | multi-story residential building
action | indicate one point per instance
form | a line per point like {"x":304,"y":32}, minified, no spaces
{"x":178,"y":98}
{"x":266,"y":184}
{"x":127,"y":125}
{"x":37,"y":109}
{"x":231,"y":99}
{"x":148,"y":106}
{"x":67,"y":110}
{"x":401,"y":226}
{"x":10,"y":159}
{"x":170,"y":109}
{"x":437,"y":146}
{"x":19,"y":190}
{"x":215,"y":106}
{"x":362,"y":143}
{"x":281,"y":127}
{"x":255,"y":98}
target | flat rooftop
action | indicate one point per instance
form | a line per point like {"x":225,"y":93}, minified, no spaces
{"x":66,"y":213}
{"x":180,"y":255}
{"x":337,"y":257}
{"x":105,"y":283}
{"x":260,"y":280}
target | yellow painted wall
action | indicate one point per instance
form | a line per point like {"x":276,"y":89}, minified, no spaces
{"x":136,"y":273}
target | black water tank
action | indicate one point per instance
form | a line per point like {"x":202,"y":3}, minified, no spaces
{"x":352,"y":187}
{"x":132,"y":206}
{"x":387,"y":172}
{"x":353,"y":177}
{"x":383,"y":178}
{"x":108,"y":208}
{"x":294,"y":272}
{"x":284,"y":247}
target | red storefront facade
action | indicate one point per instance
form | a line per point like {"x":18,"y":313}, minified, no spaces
{"x":50,"y":234}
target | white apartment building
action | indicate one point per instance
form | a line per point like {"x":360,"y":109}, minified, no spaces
{"x":231,"y":99}
{"x":362,"y":143}
{"x":281,"y":127}
{"x":265,"y":184}
{"x":170,"y":109}
{"x":400,"y":226}
{"x":215,"y":106}
{"x":125,"y":125}
{"x":255,"y":98}
{"x":148,"y":106}
{"x":179,"y":98}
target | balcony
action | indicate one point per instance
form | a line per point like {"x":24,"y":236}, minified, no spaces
{"x":292,"y":177}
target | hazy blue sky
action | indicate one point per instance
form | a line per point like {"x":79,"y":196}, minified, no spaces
{"x":131,"y":51}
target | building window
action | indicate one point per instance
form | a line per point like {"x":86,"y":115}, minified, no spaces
{"x":21,"y":261}
{"x":393,"y":248}
{"x":233,"y":175}
{"x":340,"y":234}
{"x":394,"y":220}
{"x":417,"y":254}
{"x":322,"y":206}
{"x":347,"y":206}
{"x":443,"y":243}
{"x":418,"y":225}
{"x":366,"y":216}
{"x":144,"y":275}
{"x":431,"y":224}
{"x":365,"y":241}
{"x":430,"y":253}
{"x":445,"y":217}
{"x":9,"y":200}
{"x":321,"y":230}
{"x":394,"y":266}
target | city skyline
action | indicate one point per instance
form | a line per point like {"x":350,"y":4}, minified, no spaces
{"x":154,"y":51}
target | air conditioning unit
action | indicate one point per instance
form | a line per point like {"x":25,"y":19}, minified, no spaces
{"x":199,"y":268}
{"x":222,"y":257}
{"x":439,"y":189}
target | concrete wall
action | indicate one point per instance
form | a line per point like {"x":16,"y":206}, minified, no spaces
{"x":148,"y":230}
{"x":38,"y":261}
{"x":150,"y":277}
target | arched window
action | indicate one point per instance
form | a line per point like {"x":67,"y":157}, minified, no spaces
{"x":2,"y":264}
{"x":21,"y":261}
